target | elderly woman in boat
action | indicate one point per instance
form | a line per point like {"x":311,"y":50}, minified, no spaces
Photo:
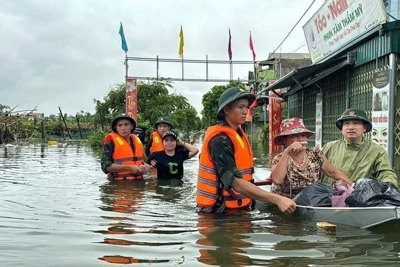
{"x":298,"y":166}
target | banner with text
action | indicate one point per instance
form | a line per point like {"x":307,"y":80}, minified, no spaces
{"x":380,"y":107}
{"x":338,"y":22}
{"x":275,"y":119}
{"x":131,"y":97}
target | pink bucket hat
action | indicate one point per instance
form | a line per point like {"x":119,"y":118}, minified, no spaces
{"x":291,"y":126}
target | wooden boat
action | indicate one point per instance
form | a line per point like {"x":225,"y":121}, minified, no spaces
{"x":363,"y":217}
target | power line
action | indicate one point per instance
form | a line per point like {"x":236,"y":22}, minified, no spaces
{"x":303,"y":44}
{"x":294,"y":27}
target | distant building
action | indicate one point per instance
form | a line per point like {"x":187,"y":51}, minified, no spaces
{"x":284,"y":63}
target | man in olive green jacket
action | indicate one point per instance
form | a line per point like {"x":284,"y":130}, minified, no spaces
{"x":355,"y":155}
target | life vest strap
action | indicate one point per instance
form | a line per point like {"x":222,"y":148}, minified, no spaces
{"x":207,"y":194}
{"x":207,"y":169}
{"x":122,"y":160}
{"x":208,"y":182}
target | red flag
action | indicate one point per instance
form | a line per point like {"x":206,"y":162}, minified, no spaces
{"x":249,"y":116}
{"x":252,"y":47}
{"x":229,"y":46}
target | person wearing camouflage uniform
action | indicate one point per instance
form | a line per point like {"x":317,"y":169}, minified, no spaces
{"x":355,"y":155}
{"x":226,"y":163}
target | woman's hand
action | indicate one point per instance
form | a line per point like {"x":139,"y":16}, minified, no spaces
{"x":296,"y":147}
{"x":191,"y":138}
{"x":153,"y":163}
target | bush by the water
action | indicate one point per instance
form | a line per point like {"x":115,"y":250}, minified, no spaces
{"x":96,"y":139}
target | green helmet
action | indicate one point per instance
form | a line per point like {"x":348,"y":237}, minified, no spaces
{"x":231,"y":95}
{"x":354,"y":114}
{"x":120,"y":117}
{"x":170,"y":133}
{"x":162,"y":120}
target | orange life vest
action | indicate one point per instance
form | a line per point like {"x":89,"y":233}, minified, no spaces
{"x":124,"y":155}
{"x":156,"y":142}
{"x":209,"y":187}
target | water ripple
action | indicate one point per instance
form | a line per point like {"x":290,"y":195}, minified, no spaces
{"x":57,"y":209}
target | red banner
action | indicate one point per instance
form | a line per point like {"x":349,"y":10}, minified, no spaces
{"x":131,"y":97}
{"x":275,"y":119}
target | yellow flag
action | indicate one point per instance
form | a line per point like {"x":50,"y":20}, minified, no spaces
{"x":181,"y":43}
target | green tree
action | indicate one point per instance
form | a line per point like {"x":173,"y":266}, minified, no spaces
{"x":154,"y":101}
{"x":210,"y":102}
{"x":114,"y":104}
{"x":186,"y":120}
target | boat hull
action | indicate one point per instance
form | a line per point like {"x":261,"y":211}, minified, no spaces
{"x":362,"y":217}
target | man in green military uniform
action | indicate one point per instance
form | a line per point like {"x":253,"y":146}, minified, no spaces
{"x":355,"y":155}
{"x":225,"y":178}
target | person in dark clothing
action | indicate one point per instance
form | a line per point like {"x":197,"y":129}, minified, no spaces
{"x":169,"y":162}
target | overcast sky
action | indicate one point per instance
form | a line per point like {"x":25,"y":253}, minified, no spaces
{"x":56,"y":53}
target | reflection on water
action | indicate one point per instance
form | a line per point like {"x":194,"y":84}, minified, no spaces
{"x":57,"y":209}
{"x":224,"y":239}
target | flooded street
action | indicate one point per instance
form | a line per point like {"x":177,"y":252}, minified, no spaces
{"x":57,"y":209}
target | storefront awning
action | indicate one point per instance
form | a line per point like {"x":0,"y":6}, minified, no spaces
{"x":301,"y":78}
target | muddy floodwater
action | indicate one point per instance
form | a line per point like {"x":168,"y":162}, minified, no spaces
{"x":57,"y":209}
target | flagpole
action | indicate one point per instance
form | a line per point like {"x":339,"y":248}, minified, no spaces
{"x":180,"y":50}
{"x":126,"y":66}
{"x":230,"y":55}
{"x":231,"y":70}
{"x":126,"y":81}
{"x":255,"y":77}
{"x":183,"y":75}
{"x":158,"y":66}
{"x":124,"y":47}
{"x":254,"y":62}
{"x":206,"y":67}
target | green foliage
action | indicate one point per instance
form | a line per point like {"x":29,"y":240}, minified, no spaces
{"x":154,"y":101}
{"x":96,"y":139}
{"x":24,"y":127}
{"x":264,"y":134}
{"x":210,"y":102}
{"x":114,"y":104}
{"x":186,"y":120}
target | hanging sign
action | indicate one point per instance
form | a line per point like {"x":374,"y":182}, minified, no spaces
{"x":338,"y":22}
{"x":275,"y":119}
{"x":131,"y":97}
{"x":380,"y":107}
